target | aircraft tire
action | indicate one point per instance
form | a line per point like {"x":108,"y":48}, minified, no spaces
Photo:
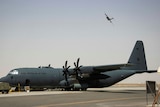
{"x":67,"y":89}
{"x":83,"y":89}
{"x":5,"y":91}
{"x":76,"y":89}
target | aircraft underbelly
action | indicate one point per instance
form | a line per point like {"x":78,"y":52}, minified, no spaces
{"x":115,"y":76}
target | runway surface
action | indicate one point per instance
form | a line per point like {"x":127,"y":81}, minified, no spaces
{"x":103,"y":97}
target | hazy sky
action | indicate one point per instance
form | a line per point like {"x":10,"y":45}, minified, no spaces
{"x":42,"y":32}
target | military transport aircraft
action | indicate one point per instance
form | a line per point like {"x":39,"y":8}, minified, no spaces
{"x":80,"y":77}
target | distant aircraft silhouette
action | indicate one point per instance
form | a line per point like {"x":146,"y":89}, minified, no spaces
{"x":108,"y":18}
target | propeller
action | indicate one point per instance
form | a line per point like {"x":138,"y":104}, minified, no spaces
{"x":77,"y":68}
{"x":65,"y":71}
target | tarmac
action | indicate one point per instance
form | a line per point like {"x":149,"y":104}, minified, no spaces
{"x":100,"y":97}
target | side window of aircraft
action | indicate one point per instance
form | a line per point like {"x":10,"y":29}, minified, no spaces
{"x":14,"y":72}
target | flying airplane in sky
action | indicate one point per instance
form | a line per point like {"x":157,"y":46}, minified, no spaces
{"x":108,"y":18}
{"x":79,"y":77}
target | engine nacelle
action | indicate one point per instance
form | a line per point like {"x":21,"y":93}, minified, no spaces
{"x":73,"y":84}
{"x":70,"y":83}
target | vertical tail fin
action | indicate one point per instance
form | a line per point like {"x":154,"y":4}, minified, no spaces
{"x":137,"y":58}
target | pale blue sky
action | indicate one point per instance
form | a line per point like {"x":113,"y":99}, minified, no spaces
{"x":42,"y":32}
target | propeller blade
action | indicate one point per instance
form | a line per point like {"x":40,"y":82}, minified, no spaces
{"x":77,"y":69}
{"x":68,"y":67}
{"x":74,"y":64}
{"x":66,"y":64}
{"x":78,"y":61}
{"x":65,"y":71}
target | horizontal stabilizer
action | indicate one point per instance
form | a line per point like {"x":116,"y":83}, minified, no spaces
{"x":146,"y":71}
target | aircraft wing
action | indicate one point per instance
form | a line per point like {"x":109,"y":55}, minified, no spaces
{"x":105,"y":68}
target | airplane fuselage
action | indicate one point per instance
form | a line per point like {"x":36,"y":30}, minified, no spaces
{"x":80,"y":77}
{"x":52,"y":78}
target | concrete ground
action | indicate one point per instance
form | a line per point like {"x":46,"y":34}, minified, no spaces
{"x":101,"y":97}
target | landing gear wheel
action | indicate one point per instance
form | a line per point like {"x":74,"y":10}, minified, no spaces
{"x":83,"y":89}
{"x":67,"y":89}
{"x":76,"y":89}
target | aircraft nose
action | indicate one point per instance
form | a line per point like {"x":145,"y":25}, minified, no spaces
{"x":3,"y":79}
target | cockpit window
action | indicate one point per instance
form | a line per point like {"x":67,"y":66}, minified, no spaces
{"x":14,"y":72}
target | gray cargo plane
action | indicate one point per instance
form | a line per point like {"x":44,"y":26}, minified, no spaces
{"x":80,"y":77}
